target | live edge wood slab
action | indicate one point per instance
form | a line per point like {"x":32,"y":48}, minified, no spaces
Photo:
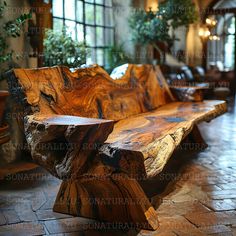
{"x":103,"y":133}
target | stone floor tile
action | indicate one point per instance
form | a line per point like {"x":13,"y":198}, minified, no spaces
{"x":27,"y":215}
{"x":11,"y":216}
{"x":38,"y":201}
{"x":3,"y":220}
{"x":220,"y":205}
{"x":70,"y":225}
{"x":22,"y":229}
{"x":48,"y":204}
{"x":50,"y":215}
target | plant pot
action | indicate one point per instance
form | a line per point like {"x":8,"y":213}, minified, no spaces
{"x":3,"y":95}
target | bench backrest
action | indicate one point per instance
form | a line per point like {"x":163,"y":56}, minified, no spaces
{"x":90,"y":92}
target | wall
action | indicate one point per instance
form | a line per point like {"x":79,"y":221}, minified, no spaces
{"x":122,"y":31}
{"x":10,"y":152}
{"x":194,"y":45}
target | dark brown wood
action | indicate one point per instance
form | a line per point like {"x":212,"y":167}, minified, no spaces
{"x":3,"y":97}
{"x":115,"y":198}
{"x":65,"y":145}
{"x":104,"y":159}
{"x":4,"y":134}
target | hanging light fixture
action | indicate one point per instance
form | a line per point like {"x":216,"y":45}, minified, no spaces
{"x":214,"y":38}
{"x":210,"y":22}
{"x":204,"y":32}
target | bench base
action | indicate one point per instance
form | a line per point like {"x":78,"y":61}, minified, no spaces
{"x":117,"y":199}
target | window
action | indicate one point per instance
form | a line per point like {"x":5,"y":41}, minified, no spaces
{"x":88,"y":20}
{"x":222,"y":52}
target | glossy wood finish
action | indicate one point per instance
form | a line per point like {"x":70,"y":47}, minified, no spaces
{"x":151,"y":138}
{"x":65,"y":145}
{"x":91,"y":92}
{"x":101,"y":159}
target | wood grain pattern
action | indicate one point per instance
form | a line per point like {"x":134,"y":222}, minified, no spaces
{"x":116,"y":198}
{"x":100,"y":159}
{"x":153,"y":136}
{"x":65,"y":145}
{"x":91,"y":92}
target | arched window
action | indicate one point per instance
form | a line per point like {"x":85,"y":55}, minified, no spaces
{"x":222,"y":52}
{"x":88,"y":20}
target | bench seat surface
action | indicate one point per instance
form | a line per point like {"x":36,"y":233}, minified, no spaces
{"x":156,"y":134}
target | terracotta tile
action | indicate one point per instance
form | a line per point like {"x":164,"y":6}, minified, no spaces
{"x":210,"y":188}
{"x":175,"y":223}
{"x":181,"y":208}
{"x":215,"y":229}
{"x":156,"y":233}
{"x":195,"y":232}
{"x":211,"y":218}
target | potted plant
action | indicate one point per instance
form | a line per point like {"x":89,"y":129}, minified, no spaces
{"x":11,"y":28}
{"x":117,"y":56}
{"x":153,"y":27}
{"x":61,"y":49}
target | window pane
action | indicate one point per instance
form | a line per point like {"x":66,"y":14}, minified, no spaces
{"x":89,"y":14}
{"x":231,"y":26}
{"x":79,"y":12}
{"x":99,"y":1}
{"x":107,"y":59}
{"x":91,"y":58}
{"x":108,"y":3}
{"x":91,"y":1}
{"x":108,"y":17}
{"x":57,"y":8}
{"x":109,"y":39}
{"x":229,"y":51}
{"x":70,"y":9}
{"x":80,"y":32}
{"x":90,"y":36}
{"x":100,"y":37}
{"x":57,"y":24}
{"x":100,"y":56}
{"x":70,"y":28}
{"x":99,"y":15}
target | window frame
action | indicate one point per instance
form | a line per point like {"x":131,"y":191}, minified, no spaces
{"x":93,"y":49}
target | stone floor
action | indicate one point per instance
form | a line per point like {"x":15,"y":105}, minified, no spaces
{"x":197,"y":198}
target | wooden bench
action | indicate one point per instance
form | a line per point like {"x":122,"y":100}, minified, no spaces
{"x":101,"y":134}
